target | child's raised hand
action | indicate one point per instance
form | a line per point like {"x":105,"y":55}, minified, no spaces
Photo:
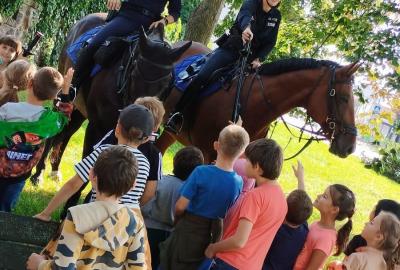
{"x":67,"y":81}
{"x":299,"y":173}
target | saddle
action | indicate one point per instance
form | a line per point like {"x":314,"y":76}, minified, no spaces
{"x":188,"y":68}
{"x":108,"y":53}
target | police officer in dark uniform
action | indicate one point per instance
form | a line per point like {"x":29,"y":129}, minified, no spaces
{"x":132,"y":14}
{"x":258,"y":21}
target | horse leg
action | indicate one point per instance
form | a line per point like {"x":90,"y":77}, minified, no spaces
{"x":37,"y":177}
{"x":165,"y":141}
{"x":90,"y":141}
{"x":60,"y":143}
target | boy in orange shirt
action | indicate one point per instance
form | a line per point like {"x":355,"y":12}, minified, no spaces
{"x":254,"y":223}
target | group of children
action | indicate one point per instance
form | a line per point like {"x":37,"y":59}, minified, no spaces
{"x":229,"y":215}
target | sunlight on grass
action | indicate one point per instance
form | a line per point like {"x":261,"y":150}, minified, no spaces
{"x":321,"y":169}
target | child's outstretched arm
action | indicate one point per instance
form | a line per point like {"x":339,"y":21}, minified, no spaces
{"x":236,"y":241}
{"x":299,"y":173}
{"x":66,"y":191}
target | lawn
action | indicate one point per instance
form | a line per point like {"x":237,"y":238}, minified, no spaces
{"x":321,"y":170}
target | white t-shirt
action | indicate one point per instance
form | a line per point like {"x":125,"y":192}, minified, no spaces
{"x":20,"y":112}
{"x":132,"y":197}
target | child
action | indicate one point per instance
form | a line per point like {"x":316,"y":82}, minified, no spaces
{"x":16,"y":77}
{"x":382,"y":235}
{"x":103,"y":234}
{"x":10,"y":49}
{"x":205,"y":198}
{"x":292,"y":235}
{"x":382,"y":205}
{"x":24,"y":127}
{"x":336,"y":203}
{"x":148,"y":148}
{"x":255,"y":222}
{"x":159,"y":212}
{"x":133,"y":128}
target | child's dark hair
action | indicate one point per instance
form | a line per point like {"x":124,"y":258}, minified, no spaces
{"x":387,"y":206}
{"x":12,"y":42}
{"x":344,"y":199}
{"x":268,"y":155}
{"x":186,"y":160}
{"x":390,"y":245}
{"x":300,"y":207}
{"x":46,"y":83}
{"x":116,"y":170}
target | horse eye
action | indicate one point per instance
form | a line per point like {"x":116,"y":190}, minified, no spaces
{"x":344,"y":99}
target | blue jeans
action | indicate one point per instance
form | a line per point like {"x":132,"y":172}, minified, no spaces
{"x":119,"y":26}
{"x":221,"y":265}
{"x":9,"y":193}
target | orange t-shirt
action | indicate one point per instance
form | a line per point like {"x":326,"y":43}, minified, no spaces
{"x":318,"y":238}
{"x":266,"y":208}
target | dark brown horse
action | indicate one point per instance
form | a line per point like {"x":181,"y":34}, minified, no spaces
{"x":323,"y":88}
{"x":148,"y":73}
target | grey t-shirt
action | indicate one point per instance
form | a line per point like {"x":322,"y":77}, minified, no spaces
{"x":159,"y":212}
{"x":20,"y":112}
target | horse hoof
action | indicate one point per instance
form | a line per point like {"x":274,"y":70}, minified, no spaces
{"x":55,"y":176}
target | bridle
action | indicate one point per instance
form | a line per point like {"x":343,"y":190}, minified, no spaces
{"x":334,"y":121}
{"x":131,"y":70}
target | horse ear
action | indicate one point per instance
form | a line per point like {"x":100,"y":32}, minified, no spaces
{"x":177,"y":52}
{"x":352,"y":68}
{"x":143,"y":40}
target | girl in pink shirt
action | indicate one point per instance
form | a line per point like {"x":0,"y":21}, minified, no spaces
{"x":336,"y":203}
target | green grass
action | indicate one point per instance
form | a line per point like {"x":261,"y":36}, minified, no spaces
{"x":321,"y":170}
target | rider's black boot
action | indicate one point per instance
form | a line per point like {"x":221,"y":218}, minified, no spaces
{"x":83,"y":67}
{"x":175,"y":121}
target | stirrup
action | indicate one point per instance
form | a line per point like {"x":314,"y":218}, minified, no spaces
{"x":174,"y":123}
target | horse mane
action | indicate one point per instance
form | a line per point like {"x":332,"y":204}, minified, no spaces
{"x":294,"y":64}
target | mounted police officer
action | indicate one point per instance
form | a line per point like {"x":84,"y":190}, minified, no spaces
{"x":132,"y":14}
{"x":257,"y":21}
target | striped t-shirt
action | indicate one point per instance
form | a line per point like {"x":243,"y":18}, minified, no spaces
{"x":132,"y":197}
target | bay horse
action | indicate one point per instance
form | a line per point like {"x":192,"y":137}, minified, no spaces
{"x":323,"y":88}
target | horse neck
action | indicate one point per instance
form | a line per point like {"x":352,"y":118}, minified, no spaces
{"x":282,"y":93}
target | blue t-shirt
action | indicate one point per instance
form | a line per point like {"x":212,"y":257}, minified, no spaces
{"x":211,"y":191}
{"x":285,"y":248}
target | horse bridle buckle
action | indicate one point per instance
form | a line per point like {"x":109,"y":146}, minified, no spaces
{"x":332,"y":125}
{"x":332,"y":93}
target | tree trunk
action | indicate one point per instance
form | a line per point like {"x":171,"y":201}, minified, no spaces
{"x":203,"y":20}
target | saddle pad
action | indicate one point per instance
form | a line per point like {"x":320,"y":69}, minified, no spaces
{"x":186,"y":70}
{"x":74,"y":48}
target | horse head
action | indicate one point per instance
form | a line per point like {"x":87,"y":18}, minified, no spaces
{"x":154,"y":63}
{"x":333,"y":109}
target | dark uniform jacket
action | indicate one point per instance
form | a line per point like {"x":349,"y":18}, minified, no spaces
{"x":155,"y":7}
{"x":264,"y":26}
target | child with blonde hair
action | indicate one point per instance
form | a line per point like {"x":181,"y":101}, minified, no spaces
{"x":383,"y":245}
{"x":336,"y":203}
{"x":16,"y":77}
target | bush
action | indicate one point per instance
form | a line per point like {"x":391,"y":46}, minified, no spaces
{"x":388,"y":164}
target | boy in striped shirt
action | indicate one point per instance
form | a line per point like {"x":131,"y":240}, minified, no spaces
{"x":134,"y":126}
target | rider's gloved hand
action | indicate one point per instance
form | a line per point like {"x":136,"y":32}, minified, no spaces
{"x":247,"y":35}
{"x":113,"y":4}
{"x":256,"y":63}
